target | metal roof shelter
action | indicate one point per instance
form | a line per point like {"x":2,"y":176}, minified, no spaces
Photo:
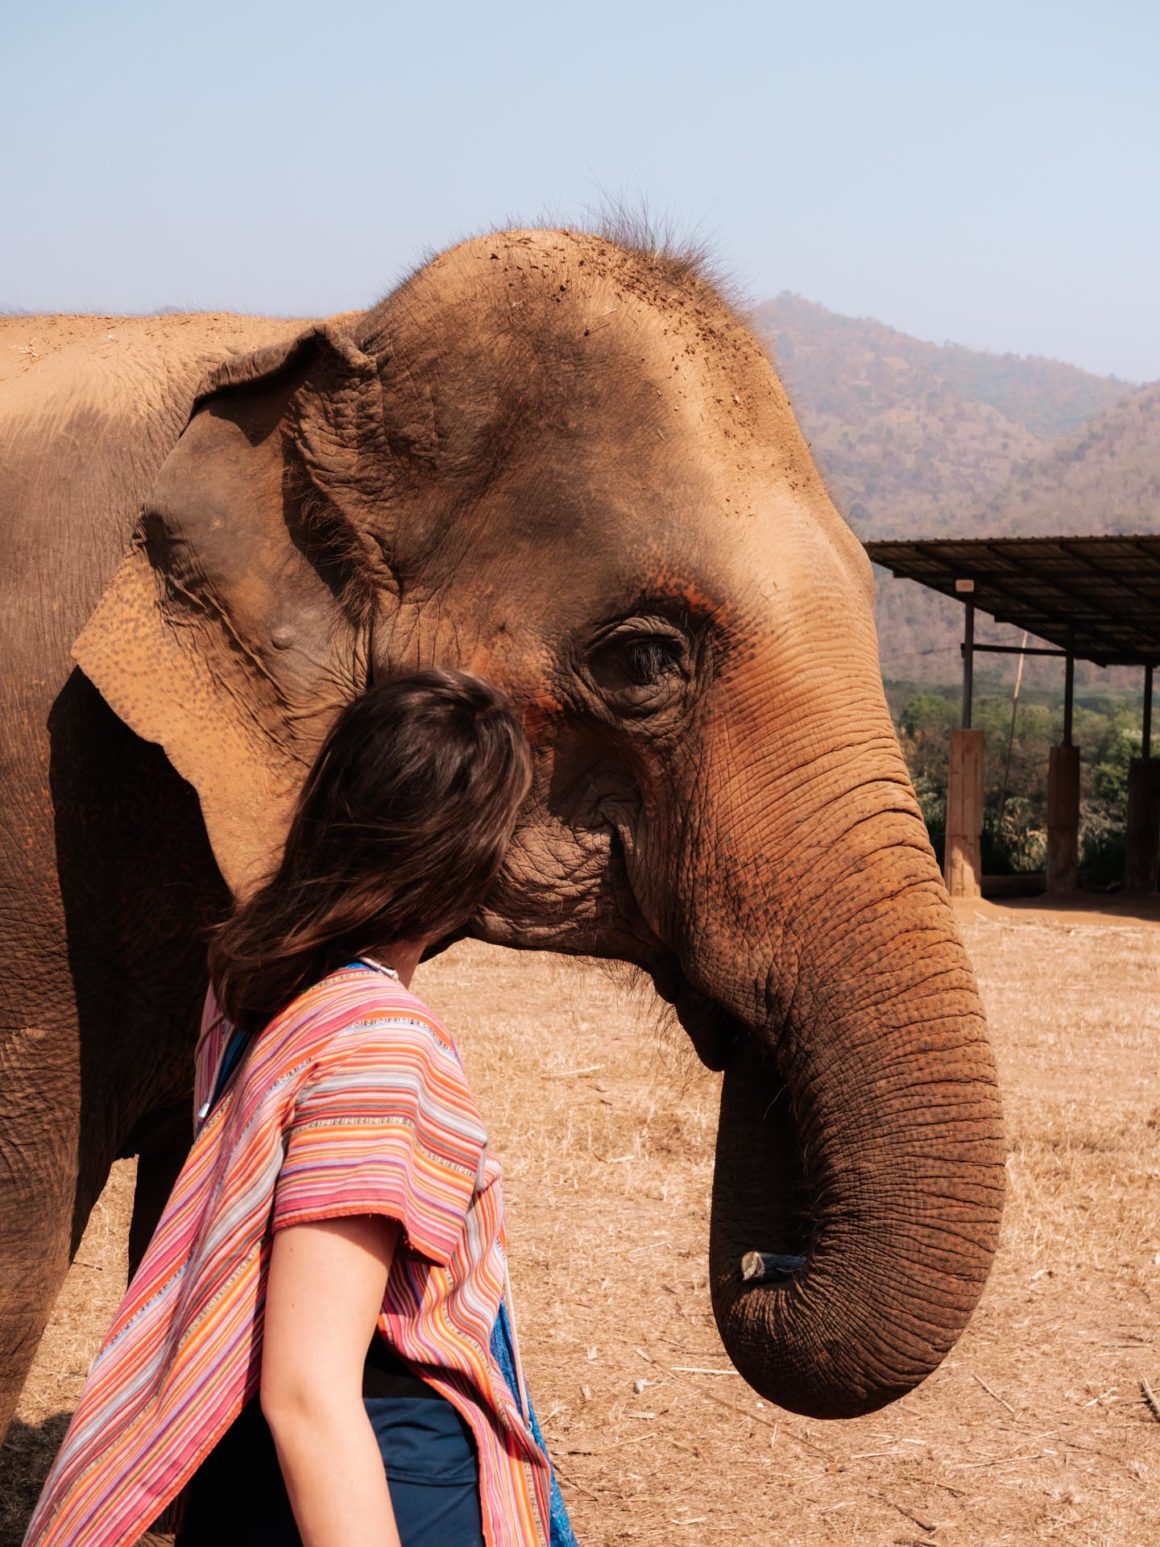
{"x":1092,"y":599}
{"x":1095,"y":597}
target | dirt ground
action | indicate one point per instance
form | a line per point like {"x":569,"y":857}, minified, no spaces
{"x":1035,"y":1429}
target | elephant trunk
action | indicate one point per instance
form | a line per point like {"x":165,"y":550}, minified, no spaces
{"x":860,"y":1148}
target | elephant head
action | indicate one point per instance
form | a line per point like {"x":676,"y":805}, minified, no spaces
{"x":565,"y":463}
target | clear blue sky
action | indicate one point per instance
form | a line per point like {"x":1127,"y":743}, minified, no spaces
{"x":985,"y":172}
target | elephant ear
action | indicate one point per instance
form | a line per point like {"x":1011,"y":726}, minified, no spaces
{"x":238,"y":623}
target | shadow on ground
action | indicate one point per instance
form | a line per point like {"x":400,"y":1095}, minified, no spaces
{"x":25,"y":1458}
{"x":1076,"y":908}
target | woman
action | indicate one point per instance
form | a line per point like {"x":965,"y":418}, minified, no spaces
{"x":317,"y":1345}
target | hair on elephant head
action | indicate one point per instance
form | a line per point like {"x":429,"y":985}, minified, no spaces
{"x":564,"y":462}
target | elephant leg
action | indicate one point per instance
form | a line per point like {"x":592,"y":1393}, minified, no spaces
{"x":112,"y":887}
{"x":52,"y":1174}
{"x":39,"y":1151}
{"x":156,"y":1173}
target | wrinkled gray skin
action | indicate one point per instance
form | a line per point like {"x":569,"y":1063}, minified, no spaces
{"x":567,"y":465}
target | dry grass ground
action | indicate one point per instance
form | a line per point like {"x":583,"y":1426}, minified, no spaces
{"x":1033,"y":1431}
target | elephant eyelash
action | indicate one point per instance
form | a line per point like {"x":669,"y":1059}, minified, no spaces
{"x":651,"y":656}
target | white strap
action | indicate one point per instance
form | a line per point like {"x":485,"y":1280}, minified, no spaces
{"x":379,"y":967}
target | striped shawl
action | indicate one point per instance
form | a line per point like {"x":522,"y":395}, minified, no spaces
{"x":352,"y":1101}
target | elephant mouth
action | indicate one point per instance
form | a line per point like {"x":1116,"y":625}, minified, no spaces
{"x":775,"y":1211}
{"x":711,"y":1029}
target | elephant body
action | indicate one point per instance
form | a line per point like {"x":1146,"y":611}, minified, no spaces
{"x":106,"y":874}
{"x":561,"y":461}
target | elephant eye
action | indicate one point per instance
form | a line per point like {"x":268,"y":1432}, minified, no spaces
{"x":639,"y":669}
{"x":645,"y":660}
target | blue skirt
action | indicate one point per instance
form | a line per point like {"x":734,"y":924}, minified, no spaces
{"x":237,"y":1497}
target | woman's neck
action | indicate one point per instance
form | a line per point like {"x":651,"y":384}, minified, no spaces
{"x":401,"y":955}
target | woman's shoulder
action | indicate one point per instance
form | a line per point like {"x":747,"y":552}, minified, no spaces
{"x":370,"y":1005}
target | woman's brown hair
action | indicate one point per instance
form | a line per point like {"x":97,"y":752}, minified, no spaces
{"x":399,"y":831}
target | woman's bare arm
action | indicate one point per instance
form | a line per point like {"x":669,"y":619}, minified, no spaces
{"x":323,"y":1295}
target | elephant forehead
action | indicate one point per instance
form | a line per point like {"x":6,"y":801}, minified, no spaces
{"x":594,"y":427}
{"x":508,"y":334}
{"x":583,"y":532}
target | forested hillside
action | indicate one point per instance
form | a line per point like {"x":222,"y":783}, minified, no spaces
{"x":919,"y":439}
{"x":1105,"y":474}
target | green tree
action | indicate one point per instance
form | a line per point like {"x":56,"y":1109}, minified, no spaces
{"x":1106,"y":727}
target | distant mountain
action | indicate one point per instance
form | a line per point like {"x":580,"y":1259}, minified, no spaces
{"x":1102,"y":478}
{"x":917,"y":439}
{"x":909,"y":433}
{"x":1046,"y":397}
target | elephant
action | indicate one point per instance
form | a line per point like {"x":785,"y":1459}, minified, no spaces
{"x":561,"y":460}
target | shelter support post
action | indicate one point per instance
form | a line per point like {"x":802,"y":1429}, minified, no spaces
{"x":1142,"y":838}
{"x":1063,"y":819}
{"x":963,"y":862}
{"x":968,"y":648}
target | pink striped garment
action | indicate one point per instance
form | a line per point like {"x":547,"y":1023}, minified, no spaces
{"x":352,"y":1101}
